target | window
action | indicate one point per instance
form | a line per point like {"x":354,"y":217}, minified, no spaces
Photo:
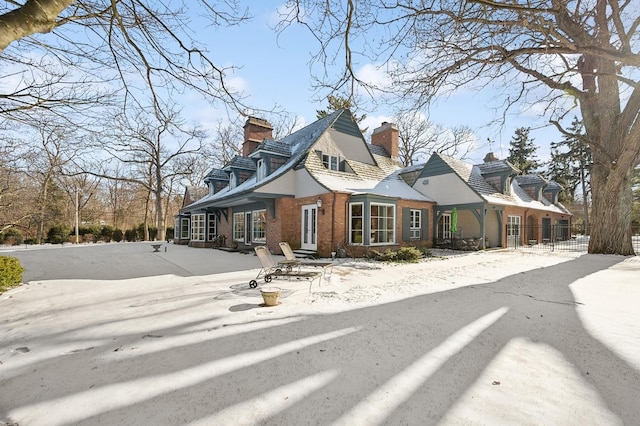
{"x":238,"y":226}
{"x":212,"y":229}
{"x":330,"y":161}
{"x":232,"y":180}
{"x":259,"y":225}
{"x":184,"y":228}
{"x":383,"y":223}
{"x":513,"y":226}
{"x":261,"y":169}
{"x":415,"y":220}
{"x":197,"y":227}
{"x":444,"y":226}
{"x":356,"y":223}
{"x":176,"y":228}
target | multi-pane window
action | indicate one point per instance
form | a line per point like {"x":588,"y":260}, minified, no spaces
{"x":444,"y":226}
{"x":197,"y":227}
{"x":184,"y":229}
{"x":212,"y":229}
{"x":259,"y":225}
{"x":415,"y":224}
{"x":330,"y":161}
{"x":383,"y":223}
{"x":238,"y":226}
{"x":513,"y":226}
{"x":356,"y":223}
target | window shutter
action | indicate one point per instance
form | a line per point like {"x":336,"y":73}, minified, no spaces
{"x":406,"y":224}
{"x":425,"y":224}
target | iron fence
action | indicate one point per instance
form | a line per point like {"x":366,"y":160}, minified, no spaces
{"x":556,"y":238}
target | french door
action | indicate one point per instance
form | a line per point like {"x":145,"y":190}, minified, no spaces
{"x":309,"y":234}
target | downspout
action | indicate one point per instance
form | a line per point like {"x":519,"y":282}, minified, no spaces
{"x":333,"y":221}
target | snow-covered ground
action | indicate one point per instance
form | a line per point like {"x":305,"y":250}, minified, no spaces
{"x":117,"y":334}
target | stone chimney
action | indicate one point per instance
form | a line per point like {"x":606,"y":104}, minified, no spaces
{"x":255,"y":131}
{"x":386,"y":136}
{"x":490,"y":157}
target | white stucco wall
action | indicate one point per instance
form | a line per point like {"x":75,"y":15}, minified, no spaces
{"x":446,"y":189}
{"x":285,"y":184}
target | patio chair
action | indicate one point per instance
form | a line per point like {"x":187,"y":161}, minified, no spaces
{"x":273,"y":269}
{"x":290,"y":256}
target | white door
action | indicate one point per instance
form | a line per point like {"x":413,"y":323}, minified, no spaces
{"x":513,"y":231}
{"x":309,"y":228}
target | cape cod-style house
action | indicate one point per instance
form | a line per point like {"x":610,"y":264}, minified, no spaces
{"x":324,"y":187}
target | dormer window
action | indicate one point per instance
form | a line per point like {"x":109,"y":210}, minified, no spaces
{"x":331,"y":162}
{"x":261,"y":171}
{"x":232,"y":180}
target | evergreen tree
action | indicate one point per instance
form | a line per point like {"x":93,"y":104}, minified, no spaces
{"x":522,"y":151}
{"x":569,"y":166}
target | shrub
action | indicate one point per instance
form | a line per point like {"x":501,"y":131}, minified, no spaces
{"x":117,"y":235}
{"x":57,"y":234}
{"x":11,"y":237}
{"x":106,"y":233}
{"x":10,"y":272}
{"x":403,"y":254}
{"x":130,"y":235}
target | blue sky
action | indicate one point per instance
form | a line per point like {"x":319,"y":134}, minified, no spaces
{"x":274,"y":70}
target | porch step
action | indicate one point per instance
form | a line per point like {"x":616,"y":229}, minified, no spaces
{"x":305,"y":254}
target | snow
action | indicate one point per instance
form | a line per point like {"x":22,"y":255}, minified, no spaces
{"x":178,"y":337}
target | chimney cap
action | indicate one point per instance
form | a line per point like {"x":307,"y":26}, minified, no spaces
{"x":490,"y":157}
{"x":385,"y":126}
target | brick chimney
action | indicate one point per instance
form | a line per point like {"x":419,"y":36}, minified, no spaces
{"x":255,"y":131}
{"x":386,"y":136}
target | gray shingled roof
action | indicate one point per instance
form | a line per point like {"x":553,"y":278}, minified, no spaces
{"x":554,"y":186}
{"x":298,"y":142}
{"x":217,"y":174}
{"x":497,"y":167}
{"x":239,"y":162}
{"x":528,"y":180}
{"x":272,"y":146}
{"x":472,"y":176}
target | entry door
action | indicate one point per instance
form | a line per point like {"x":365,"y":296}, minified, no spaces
{"x":309,"y":227}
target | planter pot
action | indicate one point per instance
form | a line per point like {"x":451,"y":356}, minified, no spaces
{"x":270,"y":295}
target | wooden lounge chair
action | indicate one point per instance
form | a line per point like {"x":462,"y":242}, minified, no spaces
{"x":291,"y":257}
{"x":273,"y":269}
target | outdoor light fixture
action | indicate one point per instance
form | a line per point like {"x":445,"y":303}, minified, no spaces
{"x":319,"y":204}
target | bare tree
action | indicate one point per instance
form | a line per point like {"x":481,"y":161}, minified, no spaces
{"x":14,"y":185}
{"x":418,"y":138}
{"x":152,"y":150}
{"x":69,"y":56}
{"x":46,"y":159}
{"x":550,"y":52}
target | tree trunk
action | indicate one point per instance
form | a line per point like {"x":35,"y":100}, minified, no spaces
{"x":611,"y":216}
{"x":160,"y":216}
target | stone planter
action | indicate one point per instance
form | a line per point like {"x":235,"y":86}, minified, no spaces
{"x":270,"y":295}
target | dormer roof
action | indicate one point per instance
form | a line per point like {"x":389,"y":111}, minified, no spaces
{"x":498,"y":167}
{"x":272,"y":147}
{"x":240,"y":163}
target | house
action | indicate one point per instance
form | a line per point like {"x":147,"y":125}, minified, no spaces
{"x":324,"y":188}
{"x":495,"y":205}
{"x":320,"y":189}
